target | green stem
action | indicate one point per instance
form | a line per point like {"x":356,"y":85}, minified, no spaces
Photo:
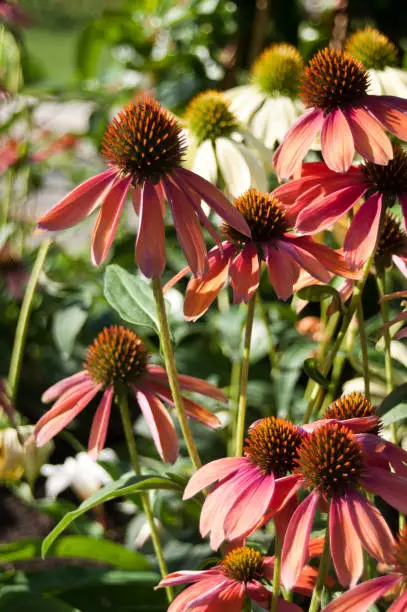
{"x":322,"y":574}
{"x":241,"y":414}
{"x":317,"y":397}
{"x":234,"y":402}
{"x":121,"y":400}
{"x":276,"y":574}
{"x":23,"y":320}
{"x":363,"y":346}
{"x":172,"y":373}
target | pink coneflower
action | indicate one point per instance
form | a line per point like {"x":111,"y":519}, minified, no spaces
{"x":229,"y":584}
{"x":361,"y":597}
{"x":271,"y":243}
{"x":118,"y":357}
{"x":321,"y":197}
{"x":335,"y":468}
{"x":251,"y":486}
{"x":11,"y":12}
{"x":144,"y":148}
{"x":334,"y":89}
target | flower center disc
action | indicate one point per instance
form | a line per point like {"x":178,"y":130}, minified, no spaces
{"x":330,"y":460}
{"x":277,"y":71}
{"x":372,"y":48}
{"x":208,"y":116}
{"x":352,"y":406}
{"x":265,"y":215}
{"x":393,"y":238}
{"x":272,"y":444}
{"x":116,"y":354}
{"x":243,"y":564}
{"x":144,"y":140}
{"x":332,"y":80}
{"x":390,"y":180}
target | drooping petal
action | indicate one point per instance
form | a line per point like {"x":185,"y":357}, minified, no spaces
{"x":160,"y":424}
{"x":187,"y":577}
{"x":63,"y":385}
{"x":212,"y":472}
{"x":337,"y":142}
{"x":326,"y":211}
{"x":371,"y":527}
{"x":283,"y":271}
{"x":245,"y":274}
{"x":361,"y":597}
{"x":50,"y":427}
{"x":329,"y":259}
{"x":183,"y":600}
{"x":79,"y":203}
{"x":295,"y":547}
{"x":401,"y":263}
{"x":305,"y":258}
{"x":346,"y":549}
{"x":297,"y":143}
{"x":233,"y":166}
{"x":68,"y":399}
{"x":400,"y":605}
{"x":192,"y":409}
{"x":369,"y":137}
{"x":150,"y":244}
{"x":393,"y":119}
{"x":201,"y":292}
{"x":258,"y":175}
{"x":188,"y":229}
{"x":190,"y":383}
{"x":389,"y":486}
{"x":249,"y":508}
{"x":205,"y":161}
{"x":214,"y":198}
{"x":100,"y":424}
{"x":362,"y":234}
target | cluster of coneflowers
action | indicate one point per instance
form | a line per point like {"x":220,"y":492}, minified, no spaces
{"x":282,"y":471}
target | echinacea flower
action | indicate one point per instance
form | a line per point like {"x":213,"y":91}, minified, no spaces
{"x":251,"y":486}
{"x":81,"y":473}
{"x":219,"y":148}
{"x":242,"y":258}
{"x":270,"y":104}
{"x":394,"y":584}
{"x":334,"y":90}
{"x":118,"y":356}
{"x":379,"y":56}
{"x":321,"y":197}
{"x":335,"y":469}
{"x":144,"y":149}
{"x":238,"y":577}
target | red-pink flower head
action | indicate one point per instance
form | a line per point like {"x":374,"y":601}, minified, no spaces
{"x":336,"y":466}
{"x":334,"y":89}
{"x":144,"y":147}
{"x":271,"y":244}
{"x":118,"y":357}
{"x":237,"y":578}
{"x":250,"y":487}
{"x":392,"y":586}
{"x":354,"y":406}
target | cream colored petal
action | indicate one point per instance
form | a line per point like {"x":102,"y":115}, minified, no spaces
{"x":394,"y":82}
{"x":233,"y":166}
{"x":375,"y":85}
{"x":256,"y":167}
{"x":244,"y":101}
{"x":266,"y":155}
{"x":205,"y":162}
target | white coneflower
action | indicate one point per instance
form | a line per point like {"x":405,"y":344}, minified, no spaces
{"x":19,"y":454}
{"x":269,"y":105}
{"x":379,"y":56}
{"x":220,"y":149}
{"x":81,"y":473}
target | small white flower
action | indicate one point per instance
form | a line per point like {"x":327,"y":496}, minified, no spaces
{"x":81,"y":473}
{"x":269,"y":105}
{"x":20,"y":455}
{"x":220,"y":149}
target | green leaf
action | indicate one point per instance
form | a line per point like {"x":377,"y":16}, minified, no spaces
{"x":317,"y":293}
{"x":25,"y":601}
{"x":398,"y":413}
{"x":128,"y":484}
{"x":312,"y":370}
{"x":131,"y":297}
{"x":396,"y":397}
{"x":66,"y":326}
{"x":76,"y":547}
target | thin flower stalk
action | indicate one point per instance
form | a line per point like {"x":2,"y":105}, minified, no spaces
{"x":276,"y":573}
{"x":363,"y":346}
{"x":23,"y":320}
{"x":322,"y":574}
{"x":241,"y":414}
{"x":121,"y":400}
{"x":165,"y":338}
